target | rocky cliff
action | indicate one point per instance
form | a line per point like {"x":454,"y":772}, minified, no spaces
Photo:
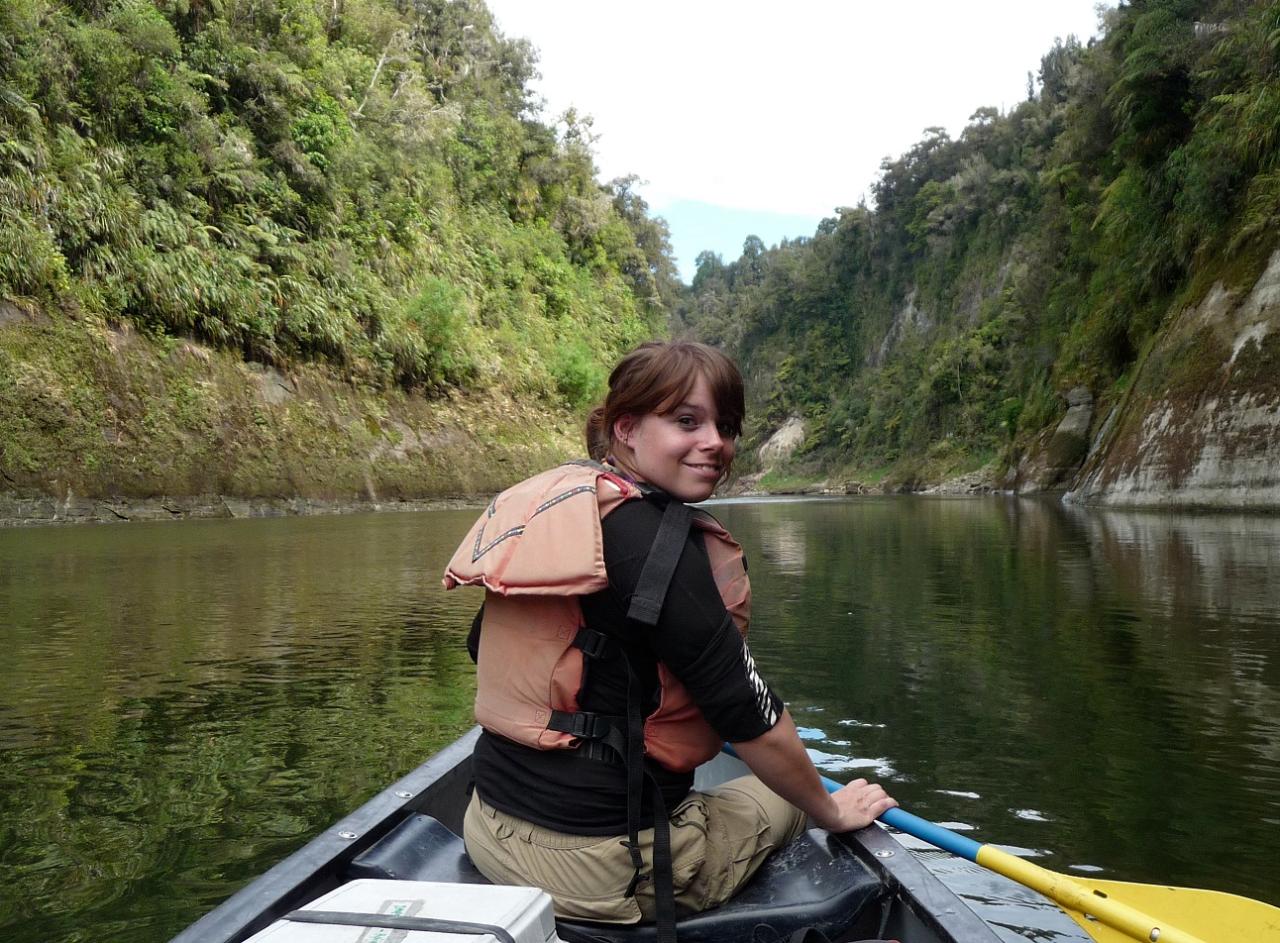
{"x":1200,"y":426}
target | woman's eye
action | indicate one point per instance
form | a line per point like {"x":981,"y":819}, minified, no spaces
{"x":687,"y":422}
{"x":725,"y":430}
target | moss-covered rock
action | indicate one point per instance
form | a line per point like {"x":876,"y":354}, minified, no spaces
{"x":100,"y":413}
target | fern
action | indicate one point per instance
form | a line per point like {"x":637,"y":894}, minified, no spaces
{"x":1262,"y":211}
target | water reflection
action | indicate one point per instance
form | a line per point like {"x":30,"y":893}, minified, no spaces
{"x":1075,"y":682}
{"x":1199,"y":563}
{"x":181,"y":704}
{"x":783,"y":547}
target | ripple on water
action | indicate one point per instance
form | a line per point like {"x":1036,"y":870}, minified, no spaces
{"x":836,"y":763}
{"x":1029,"y":815}
{"x":1021,"y":852}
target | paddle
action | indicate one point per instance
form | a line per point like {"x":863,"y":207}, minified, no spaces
{"x":1118,"y":911}
{"x":1109,"y":911}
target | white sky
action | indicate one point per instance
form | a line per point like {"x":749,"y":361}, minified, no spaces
{"x":747,"y":116}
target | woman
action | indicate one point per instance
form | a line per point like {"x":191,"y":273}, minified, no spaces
{"x":612,"y":660}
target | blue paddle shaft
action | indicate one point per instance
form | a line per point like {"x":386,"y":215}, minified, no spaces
{"x":923,"y":829}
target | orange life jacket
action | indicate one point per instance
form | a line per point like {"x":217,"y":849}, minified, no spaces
{"x":536,"y":549}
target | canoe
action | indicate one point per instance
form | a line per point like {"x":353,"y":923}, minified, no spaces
{"x":859,"y":886}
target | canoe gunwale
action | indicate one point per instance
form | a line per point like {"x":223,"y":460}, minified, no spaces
{"x":924,"y":898}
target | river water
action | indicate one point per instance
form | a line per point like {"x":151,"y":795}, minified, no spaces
{"x":181,"y":704}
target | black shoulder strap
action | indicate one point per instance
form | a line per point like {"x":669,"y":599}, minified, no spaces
{"x":660,"y":565}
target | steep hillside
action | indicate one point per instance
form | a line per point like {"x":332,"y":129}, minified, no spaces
{"x":360,"y":196}
{"x":1010,"y":289}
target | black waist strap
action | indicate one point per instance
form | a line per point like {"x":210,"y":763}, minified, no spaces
{"x":599,"y":751}
{"x":585,"y":725}
{"x":638,"y":776}
{"x":623,"y":737}
{"x":592,"y":644}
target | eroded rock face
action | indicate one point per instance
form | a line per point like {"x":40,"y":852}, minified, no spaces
{"x":1202,"y":427}
{"x":272,"y":386}
{"x":906,"y":319}
{"x":783,"y":443}
{"x":10,"y":313}
{"x":1056,"y":456}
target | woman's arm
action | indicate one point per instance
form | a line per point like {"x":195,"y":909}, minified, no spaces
{"x":779,"y":759}
{"x":696,"y":639}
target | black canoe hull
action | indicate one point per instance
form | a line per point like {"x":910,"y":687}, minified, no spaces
{"x":915,"y":907}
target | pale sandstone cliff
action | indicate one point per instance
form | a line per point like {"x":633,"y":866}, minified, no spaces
{"x":1201,"y":426}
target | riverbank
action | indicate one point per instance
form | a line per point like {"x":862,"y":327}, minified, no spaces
{"x":1196,"y":426}
{"x":16,"y":511}
{"x":102,"y":423}
{"x":99,"y":422}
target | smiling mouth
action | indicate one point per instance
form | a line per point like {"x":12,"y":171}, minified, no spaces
{"x":704,"y":468}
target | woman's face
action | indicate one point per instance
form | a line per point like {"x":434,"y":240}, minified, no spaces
{"x":684,"y":452}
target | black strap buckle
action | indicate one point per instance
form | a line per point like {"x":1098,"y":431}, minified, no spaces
{"x":593,"y":644}
{"x":600,"y":751}
{"x":581,"y":724}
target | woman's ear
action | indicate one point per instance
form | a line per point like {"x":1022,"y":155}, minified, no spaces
{"x":623,"y":426}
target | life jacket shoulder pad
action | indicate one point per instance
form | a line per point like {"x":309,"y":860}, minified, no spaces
{"x":542,"y":536}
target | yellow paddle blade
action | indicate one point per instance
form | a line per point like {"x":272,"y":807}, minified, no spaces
{"x":1211,"y":916}
{"x":1148,"y":913}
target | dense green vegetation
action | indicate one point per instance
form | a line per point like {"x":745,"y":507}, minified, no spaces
{"x":368,"y":188}
{"x":1039,"y":251}
{"x":365,"y":183}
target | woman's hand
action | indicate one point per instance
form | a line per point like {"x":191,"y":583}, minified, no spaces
{"x":780,"y":760}
{"x":856,"y":806}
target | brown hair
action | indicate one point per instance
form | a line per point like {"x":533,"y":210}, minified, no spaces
{"x":655,"y":378}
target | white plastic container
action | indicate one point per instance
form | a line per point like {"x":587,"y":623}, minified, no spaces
{"x":524,"y":912}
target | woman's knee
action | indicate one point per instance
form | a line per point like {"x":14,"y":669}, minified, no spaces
{"x":746,"y":822}
{"x":752,"y":808}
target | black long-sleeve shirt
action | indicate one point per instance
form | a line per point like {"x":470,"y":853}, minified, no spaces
{"x":695,"y":638}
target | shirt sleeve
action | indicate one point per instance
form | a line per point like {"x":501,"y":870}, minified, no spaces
{"x":695,"y":636}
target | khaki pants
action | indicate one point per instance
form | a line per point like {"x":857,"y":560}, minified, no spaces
{"x":718,"y":840}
